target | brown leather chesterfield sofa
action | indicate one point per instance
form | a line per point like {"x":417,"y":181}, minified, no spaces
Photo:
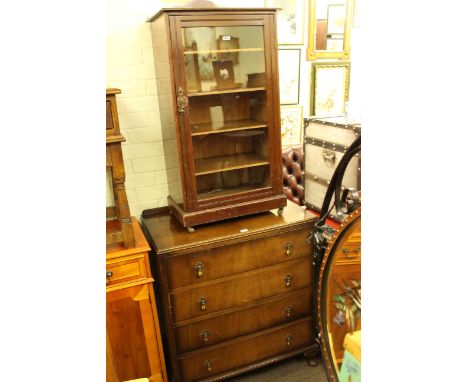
{"x":293,"y":178}
{"x":293,"y":173}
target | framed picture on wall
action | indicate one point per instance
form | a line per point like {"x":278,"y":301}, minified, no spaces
{"x":330,"y":88}
{"x":336,"y":18}
{"x":290,"y":20}
{"x":291,"y":125}
{"x":289,"y":62}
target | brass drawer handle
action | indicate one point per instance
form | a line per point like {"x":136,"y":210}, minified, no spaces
{"x":109,"y":274}
{"x":199,"y":269}
{"x":202,"y":303}
{"x":204,"y":335}
{"x":207,"y":365}
{"x":288,"y":280}
{"x":287,"y":311}
{"x":288,"y":247}
{"x":289,"y":339}
{"x":349,"y":253}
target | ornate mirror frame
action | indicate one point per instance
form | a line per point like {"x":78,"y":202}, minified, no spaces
{"x":321,"y":298}
{"x":311,"y":53}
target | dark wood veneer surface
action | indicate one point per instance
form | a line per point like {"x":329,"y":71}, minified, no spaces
{"x":243,"y":283}
{"x":167,"y":235}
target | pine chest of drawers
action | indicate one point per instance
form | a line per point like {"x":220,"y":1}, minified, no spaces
{"x":235,"y":295}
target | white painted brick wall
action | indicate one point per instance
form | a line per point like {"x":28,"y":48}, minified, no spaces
{"x":130,"y":67}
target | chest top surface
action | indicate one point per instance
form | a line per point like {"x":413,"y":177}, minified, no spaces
{"x":119,"y":250}
{"x":168,"y":235}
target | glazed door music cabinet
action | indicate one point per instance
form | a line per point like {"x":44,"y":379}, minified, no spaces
{"x":217,"y":80}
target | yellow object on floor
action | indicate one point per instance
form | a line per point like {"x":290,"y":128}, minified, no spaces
{"x":352,"y":344}
{"x":351,"y":367}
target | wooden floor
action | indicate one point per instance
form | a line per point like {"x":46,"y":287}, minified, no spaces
{"x":293,"y":370}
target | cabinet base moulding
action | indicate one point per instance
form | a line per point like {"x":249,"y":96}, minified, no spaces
{"x":188,"y":219}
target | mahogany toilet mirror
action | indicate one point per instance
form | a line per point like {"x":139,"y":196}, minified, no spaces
{"x":337,"y":261}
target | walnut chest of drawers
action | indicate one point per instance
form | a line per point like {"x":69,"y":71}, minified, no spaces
{"x":235,"y":295}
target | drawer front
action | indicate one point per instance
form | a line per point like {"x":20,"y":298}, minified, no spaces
{"x":241,"y":290}
{"x":348,"y":254}
{"x":349,"y":251}
{"x":124,"y":271}
{"x":289,"y":307}
{"x":237,"y":258}
{"x":204,"y":364}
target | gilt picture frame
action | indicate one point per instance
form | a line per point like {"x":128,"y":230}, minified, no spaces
{"x":291,"y":125}
{"x":290,"y":20}
{"x":330,"y":88}
{"x":289,"y":64}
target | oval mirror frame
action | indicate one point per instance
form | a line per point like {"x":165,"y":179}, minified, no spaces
{"x":321,"y":298}
{"x":311,"y":52}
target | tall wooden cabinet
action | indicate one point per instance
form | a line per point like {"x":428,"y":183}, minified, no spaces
{"x":235,"y":295}
{"x":118,"y":223}
{"x":133,"y":339}
{"x":217,"y":79}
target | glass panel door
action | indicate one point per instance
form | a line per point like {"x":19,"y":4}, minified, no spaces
{"x":228,"y":108}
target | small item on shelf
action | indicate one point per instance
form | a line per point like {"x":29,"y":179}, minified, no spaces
{"x":224,"y":74}
{"x":217,"y":117}
{"x":255,"y":80}
{"x":229,"y":49}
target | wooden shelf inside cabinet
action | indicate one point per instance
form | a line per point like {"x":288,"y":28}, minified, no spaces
{"x":118,"y":225}
{"x":229,"y":191}
{"x":223,"y":51}
{"x":226,"y":91}
{"x":228,"y":162}
{"x":210,"y":128}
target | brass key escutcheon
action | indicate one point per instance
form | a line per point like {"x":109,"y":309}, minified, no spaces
{"x":182,"y":101}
